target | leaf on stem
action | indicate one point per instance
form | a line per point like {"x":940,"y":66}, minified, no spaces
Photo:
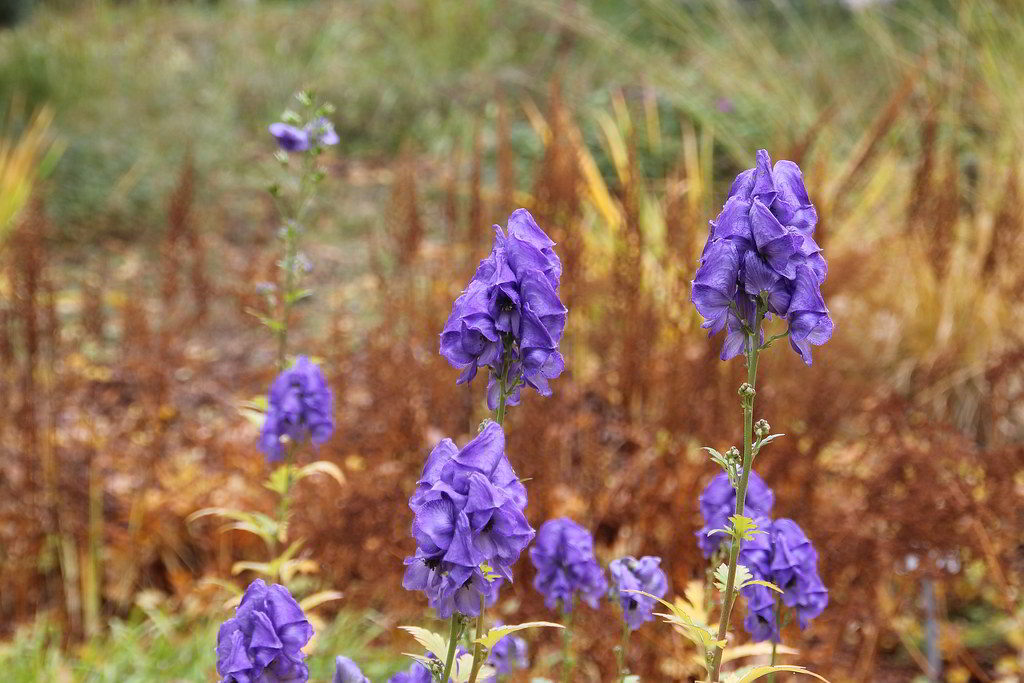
{"x":762,"y":671}
{"x":322,"y":467}
{"x":491,"y":638}
{"x":434,"y":643}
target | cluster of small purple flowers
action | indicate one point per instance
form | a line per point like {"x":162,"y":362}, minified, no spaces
{"x":563,"y":555}
{"x":761,"y":260}
{"x":264,"y":640}
{"x":631,"y":575}
{"x":510,"y":318}
{"x":300,"y":406}
{"x":319,"y":132}
{"x":467,"y":513}
{"x":782,"y":555}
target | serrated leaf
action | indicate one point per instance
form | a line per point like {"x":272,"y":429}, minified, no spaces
{"x":722,"y":576}
{"x":488,"y":572}
{"x":491,"y":638}
{"x":281,"y":479}
{"x":713,"y":452}
{"x":434,"y":643}
{"x":744,"y":527}
{"x":316,"y":599}
{"x":322,"y":467}
{"x":762,"y":671}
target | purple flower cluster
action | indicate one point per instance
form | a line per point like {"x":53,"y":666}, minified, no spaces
{"x":761,"y":258}
{"x":564,"y":557}
{"x":510,"y":318}
{"x":718,"y":503}
{"x":300,"y":406}
{"x":290,"y":138}
{"x":264,"y":640}
{"x":631,"y":574}
{"x":784,"y":556}
{"x":347,"y":671}
{"x":468,"y":511}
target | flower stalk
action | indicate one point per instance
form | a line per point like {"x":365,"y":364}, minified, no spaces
{"x":622,"y":650}
{"x":568,"y":661}
{"x":747,"y":392}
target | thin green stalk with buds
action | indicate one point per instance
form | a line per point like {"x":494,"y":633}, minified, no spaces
{"x":747,"y":392}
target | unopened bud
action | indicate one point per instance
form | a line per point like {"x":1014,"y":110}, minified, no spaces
{"x":746,"y":391}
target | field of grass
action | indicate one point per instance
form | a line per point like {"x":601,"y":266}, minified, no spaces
{"x":126,"y":349}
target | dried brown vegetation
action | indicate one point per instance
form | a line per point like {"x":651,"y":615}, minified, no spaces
{"x":902,"y":458}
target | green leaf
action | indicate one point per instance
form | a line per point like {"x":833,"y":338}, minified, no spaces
{"x":434,"y":643}
{"x":256,"y":523}
{"x":762,"y":671}
{"x":316,"y":599}
{"x":698,"y":633}
{"x":744,"y":528}
{"x":491,"y":638}
{"x":758,"y":582}
{"x":322,"y":467}
{"x":488,"y":572}
{"x":264,"y":568}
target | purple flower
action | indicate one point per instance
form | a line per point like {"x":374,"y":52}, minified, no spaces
{"x":347,"y":671}
{"x":564,"y":557}
{"x":320,"y":131}
{"x":289,"y":138}
{"x":761,"y":258}
{"x":718,"y":503}
{"x":417,"y":673}
{"x":510,"y":318}
{"x":784,"y":556}
{"x":508,"y":654}
{"x":467,"y":511}
{"x":645,"y":574}
{"x":264,"y":640}
{"x":300,"y":406}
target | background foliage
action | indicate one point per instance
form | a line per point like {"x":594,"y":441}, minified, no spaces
{"x":125,"y":349}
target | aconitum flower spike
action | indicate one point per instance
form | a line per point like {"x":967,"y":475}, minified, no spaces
{"x":761,"y":251}
{"x":630,"y":574}
{"x":300,"y":406}
{"x":347,"y":671}
{"x":510,"y":317}
{"x":784,"y":556}
{"x":563,"y":555}
{"x":264,"y":640}
{"x":718,"y":503}
{"x":468,"y":515}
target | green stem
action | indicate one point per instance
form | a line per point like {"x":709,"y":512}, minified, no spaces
{"x":567,"y":659}
{"x":752,"y":349}
{"x":453,"y":642}
{"x":478,"y":658}
{"x":778,"y":631}
{"x":624,"y":650}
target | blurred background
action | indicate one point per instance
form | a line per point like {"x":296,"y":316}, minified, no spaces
{"x":134,"y":144}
